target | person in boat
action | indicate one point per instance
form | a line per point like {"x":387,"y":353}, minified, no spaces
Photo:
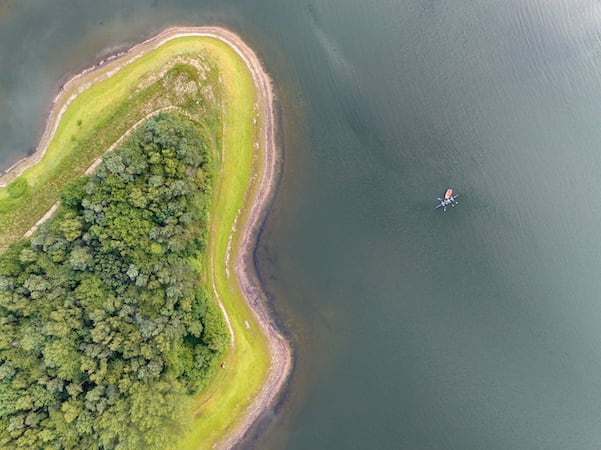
{"x":449,"y":198}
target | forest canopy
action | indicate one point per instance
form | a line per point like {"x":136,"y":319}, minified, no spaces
{"x":105,"y":329}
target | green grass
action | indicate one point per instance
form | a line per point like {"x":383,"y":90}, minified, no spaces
{"x":17,"y":188}
{"x":103,"y":113}
{"x":95,"y":120}
{"x":222,"y":404}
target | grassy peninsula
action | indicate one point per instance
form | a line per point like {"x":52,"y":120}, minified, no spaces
{"x":204,"y":81}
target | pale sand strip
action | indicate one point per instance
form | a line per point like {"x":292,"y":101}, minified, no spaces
{"x":244,"y":267}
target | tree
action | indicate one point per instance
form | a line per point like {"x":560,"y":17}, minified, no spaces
{"x":104,"y":328}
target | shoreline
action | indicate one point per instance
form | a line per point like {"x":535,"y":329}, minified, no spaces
{"x":263,"y":181}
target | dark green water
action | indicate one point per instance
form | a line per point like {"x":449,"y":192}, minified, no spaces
{"x":479,"y":328}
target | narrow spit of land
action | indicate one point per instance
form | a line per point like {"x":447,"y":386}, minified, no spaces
{"x":252,"y":214}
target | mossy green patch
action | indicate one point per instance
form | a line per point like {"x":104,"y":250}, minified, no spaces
{"x":17,"y":188}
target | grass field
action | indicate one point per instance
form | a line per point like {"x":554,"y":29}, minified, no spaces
{"x":206,"y":80}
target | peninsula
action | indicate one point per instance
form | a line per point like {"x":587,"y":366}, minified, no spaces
{"x":207,"y":86}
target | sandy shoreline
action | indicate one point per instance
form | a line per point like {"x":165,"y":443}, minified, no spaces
{"x":244,"y":267}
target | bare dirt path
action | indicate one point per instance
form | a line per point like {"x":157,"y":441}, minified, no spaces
{"x":244,"y":267}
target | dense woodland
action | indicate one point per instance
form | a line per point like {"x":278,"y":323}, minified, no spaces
{"x":105,"y":330}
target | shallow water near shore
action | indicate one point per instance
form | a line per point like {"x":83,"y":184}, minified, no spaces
{"x":415,"y":329}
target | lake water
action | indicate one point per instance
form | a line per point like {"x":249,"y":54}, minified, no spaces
{"x":478,"y":328}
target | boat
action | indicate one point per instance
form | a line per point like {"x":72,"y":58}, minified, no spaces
{"x":449,"y":199}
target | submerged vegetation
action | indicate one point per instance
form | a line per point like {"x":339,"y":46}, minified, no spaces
{"x":105,"y":329}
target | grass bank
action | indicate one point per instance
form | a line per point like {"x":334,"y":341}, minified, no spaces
{"x":205,"y":79}
{"x":223,"y":403}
